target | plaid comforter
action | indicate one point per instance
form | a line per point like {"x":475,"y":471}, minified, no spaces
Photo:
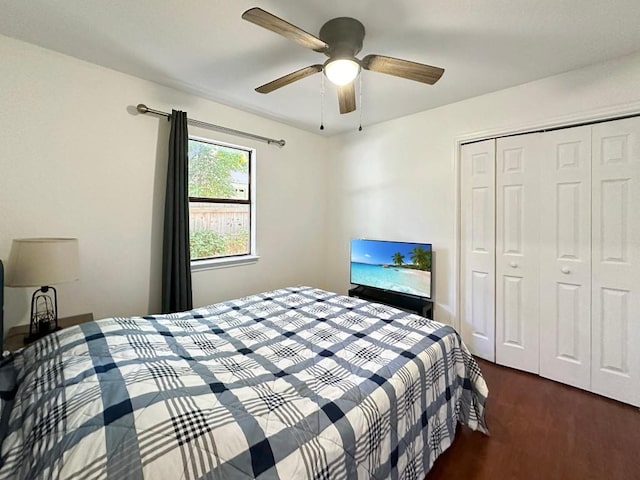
{"x":288,"y":384}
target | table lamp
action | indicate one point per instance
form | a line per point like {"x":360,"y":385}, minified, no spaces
{"x":42,"y":262}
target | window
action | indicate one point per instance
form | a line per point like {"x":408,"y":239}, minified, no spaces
{"x":220,"y":201}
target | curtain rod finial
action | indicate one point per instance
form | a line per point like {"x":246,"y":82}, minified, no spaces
{"x":142,"y":108}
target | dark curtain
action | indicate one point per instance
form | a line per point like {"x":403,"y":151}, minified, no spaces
{"x":176,"y":267}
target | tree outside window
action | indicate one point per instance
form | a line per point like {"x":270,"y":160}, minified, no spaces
{"x":219,"y":200}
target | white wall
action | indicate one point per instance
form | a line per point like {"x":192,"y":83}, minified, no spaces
{"x":397,"y":180}
{"x":75,"y":160}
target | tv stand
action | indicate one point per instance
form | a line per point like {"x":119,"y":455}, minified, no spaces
{"x":409,"y":303}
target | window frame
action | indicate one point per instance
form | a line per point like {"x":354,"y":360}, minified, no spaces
{"x":238,"y":259}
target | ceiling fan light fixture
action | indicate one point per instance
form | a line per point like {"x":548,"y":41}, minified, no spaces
{"x":341,"y":71}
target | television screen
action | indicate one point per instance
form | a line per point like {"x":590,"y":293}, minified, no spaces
{"x":396,"y":266}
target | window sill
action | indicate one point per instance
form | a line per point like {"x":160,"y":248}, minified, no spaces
{"x":198,"y":265}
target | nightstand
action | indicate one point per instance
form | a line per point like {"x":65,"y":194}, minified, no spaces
{"x":15,"y":336}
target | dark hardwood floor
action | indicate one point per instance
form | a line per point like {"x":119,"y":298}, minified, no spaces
{"x":541,"y":429}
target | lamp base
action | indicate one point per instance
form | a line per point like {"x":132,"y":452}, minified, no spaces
{"x":37,"y":336}
{"x":44,"y":313}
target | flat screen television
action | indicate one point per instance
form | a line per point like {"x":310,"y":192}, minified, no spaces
{"x":400,"y":267}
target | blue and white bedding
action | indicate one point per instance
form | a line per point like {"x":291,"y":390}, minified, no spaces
{"x":293,"y":383}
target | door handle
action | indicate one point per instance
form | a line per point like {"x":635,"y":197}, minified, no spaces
{"x":565,"y":270}
{"x":513,"y":264}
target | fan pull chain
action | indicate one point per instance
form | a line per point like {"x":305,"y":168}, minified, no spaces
{"x":360,"y":102}
{"x":321,"y":101}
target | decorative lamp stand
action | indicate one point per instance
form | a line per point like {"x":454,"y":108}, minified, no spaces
{"x":44,"y":314}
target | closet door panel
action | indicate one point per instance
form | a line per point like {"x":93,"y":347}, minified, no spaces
{"x":565,"y":253}
{"x":517,"y":226}
{"x":616,"y":260}
{"x":477,"y":233}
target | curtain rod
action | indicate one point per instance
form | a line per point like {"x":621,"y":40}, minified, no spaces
{"x":142,"y":108}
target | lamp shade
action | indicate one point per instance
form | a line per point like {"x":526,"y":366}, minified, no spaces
{"x":35,"y":262}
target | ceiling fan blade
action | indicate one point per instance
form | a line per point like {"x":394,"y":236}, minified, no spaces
{"x":269,"y":21}
{"x":403,"y":68}
{"x":347,"y":98}
{"x":290,"y":78}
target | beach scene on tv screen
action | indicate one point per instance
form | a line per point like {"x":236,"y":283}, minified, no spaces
{"x":397,"y":266}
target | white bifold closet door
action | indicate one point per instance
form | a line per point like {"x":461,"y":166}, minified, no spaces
{"x":517,"y":241}
{"x":615,"y":366}
{"x":550,"y":254}
{"x":565,"y":256}
{"x":477,"y":225}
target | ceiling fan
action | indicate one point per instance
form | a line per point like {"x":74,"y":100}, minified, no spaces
{"x":340,"y":39}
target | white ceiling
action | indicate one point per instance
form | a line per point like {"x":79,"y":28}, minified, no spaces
{"x":205,"y":48}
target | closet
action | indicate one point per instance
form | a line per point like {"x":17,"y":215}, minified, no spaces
{"x":550,"y":254}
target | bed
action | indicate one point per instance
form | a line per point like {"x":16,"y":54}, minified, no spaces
{"x":293,"y":383}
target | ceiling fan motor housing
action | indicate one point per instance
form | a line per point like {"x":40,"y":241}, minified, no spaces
{"x":344,"y":36}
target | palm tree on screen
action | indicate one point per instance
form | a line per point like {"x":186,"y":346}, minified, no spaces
{"x":398,"y":259}
{"x":421,"y":258}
